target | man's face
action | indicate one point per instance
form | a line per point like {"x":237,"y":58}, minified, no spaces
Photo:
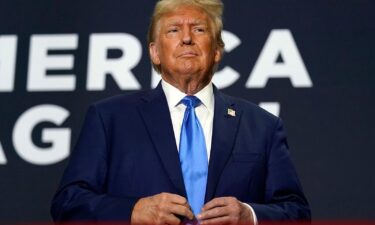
{"x":184,"y":46}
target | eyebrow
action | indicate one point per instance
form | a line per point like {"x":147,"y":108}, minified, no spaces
{"x":179,"y":22}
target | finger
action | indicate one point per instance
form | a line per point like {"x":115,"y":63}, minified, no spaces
{"x":216,"y":202}
{"x":174,"y":198}
{"x":214,"y":212}
{"x":181,"y":210}
{"x":216,"y":221}
{"x":171,"y":219}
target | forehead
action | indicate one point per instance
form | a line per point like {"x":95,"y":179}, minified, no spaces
{"x":185,"y":14}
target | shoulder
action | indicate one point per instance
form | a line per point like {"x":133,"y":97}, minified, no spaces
{"x":119,"y":100}
{"x":119,"y":105}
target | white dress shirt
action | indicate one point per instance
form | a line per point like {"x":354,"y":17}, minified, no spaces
{"x":204,"y":112}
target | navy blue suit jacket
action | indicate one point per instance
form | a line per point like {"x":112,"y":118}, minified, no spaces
{"x":127,"y":150}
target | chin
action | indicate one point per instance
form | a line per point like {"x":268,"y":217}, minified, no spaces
{"x":188,"y":72}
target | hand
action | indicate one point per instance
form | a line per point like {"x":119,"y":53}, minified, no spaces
{"x":225,"y":210}
{"x":162,"y":208}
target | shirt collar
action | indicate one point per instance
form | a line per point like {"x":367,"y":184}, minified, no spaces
{"x":174,"y":95}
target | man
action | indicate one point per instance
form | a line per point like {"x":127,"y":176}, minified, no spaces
{"x":154,"y":158}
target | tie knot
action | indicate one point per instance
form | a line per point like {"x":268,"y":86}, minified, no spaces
{"x":191,"y":101}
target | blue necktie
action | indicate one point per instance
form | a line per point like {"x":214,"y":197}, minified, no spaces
{"x":193,"y":155}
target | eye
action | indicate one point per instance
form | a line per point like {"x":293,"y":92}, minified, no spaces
{"x":172,"y":30}
{"x":200,"y":29}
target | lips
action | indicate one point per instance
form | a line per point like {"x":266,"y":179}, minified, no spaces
{"x":188,"y":54}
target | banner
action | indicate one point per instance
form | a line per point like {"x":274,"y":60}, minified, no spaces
{"x":310,"y":62}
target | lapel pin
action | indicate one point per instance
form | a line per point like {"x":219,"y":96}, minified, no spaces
{"x":231,"y":112}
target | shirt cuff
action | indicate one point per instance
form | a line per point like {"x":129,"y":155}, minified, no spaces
{"x":255,"y":219}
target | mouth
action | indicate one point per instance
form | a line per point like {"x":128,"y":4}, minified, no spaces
{"x":188,"y":54}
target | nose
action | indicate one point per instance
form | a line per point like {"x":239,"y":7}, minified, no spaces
{"x":186,"y":37}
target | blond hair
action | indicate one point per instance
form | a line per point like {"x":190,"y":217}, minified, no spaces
{"x":213,"y":8}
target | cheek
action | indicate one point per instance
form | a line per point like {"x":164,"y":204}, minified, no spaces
{"x":164,"y":54}
{"x":207,"y":47}
{"x":167,"y":51}
{"x":210,"y":54}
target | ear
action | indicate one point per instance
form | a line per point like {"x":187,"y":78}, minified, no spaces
{"x":218,"y":54}
{"x":152,"y":48}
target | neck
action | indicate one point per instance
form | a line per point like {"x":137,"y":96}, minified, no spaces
{"x":188,"y":86}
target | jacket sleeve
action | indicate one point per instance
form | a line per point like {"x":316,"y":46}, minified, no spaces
{"x":284,"y":198}
{"x":82,"y":191}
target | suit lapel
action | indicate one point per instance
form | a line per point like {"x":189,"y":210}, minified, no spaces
{"x":224,"y":132}
{"x":155,"y":113}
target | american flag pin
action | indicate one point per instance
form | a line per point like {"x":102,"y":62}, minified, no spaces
{"x":231,"y":112}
